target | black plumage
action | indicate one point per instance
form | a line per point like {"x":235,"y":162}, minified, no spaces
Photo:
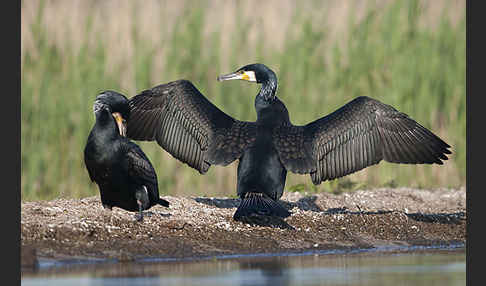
{"x":359,"y":134}
{"x":124,"y":174}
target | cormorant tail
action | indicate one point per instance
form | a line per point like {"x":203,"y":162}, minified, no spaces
{"x":163,"y":202}
{"x":259,"y":204}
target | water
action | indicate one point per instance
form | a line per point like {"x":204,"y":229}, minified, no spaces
{"x":391,"y":267}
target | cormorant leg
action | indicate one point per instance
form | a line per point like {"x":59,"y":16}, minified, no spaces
{"x":139,"y":216}
{"x":107,"y":207}
{"x":142,"y":201}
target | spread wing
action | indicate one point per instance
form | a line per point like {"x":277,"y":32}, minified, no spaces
{"x":188,"y":126}
{"x":361,"y":133}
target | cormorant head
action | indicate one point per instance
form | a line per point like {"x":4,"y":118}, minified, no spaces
{"x":258,"y":73}
{"x":117,"y":105}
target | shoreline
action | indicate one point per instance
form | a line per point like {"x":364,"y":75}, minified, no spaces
{"x":197,"y":227}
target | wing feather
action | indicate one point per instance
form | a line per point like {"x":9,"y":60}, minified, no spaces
{"x":139,"y":168}
{"x":188,"y":126}
{"x":360,"y":134}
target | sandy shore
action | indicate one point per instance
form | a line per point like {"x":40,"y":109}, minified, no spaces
{"x":202,"y":226}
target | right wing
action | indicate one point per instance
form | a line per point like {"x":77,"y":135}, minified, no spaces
{"x":359,"y":134}
{"x":188,"y":126}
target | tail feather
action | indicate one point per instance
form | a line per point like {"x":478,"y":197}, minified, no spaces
{"x":259,"y":204}
{"x":163,"y":202}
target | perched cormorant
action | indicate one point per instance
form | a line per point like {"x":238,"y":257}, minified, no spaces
{"x":359,"y":134}
{"x":124,"y":174}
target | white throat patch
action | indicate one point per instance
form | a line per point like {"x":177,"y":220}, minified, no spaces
{"x":251,"y":75}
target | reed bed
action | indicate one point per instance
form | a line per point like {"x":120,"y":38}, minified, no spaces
{"x":410,"y":54}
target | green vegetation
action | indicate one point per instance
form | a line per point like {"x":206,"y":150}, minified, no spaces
{"x":388,"y":55}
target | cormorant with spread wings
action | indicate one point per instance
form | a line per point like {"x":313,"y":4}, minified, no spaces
{"x":359,"y":134}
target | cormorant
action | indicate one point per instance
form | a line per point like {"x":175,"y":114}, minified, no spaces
{"x":359,"y":134}
{"x":124,"y":175}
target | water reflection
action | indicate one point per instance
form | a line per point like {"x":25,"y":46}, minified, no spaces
{"x":416,"y":268}
{"x":266,"y":272}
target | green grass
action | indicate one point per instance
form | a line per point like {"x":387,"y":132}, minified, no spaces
{"x":419,"y":70}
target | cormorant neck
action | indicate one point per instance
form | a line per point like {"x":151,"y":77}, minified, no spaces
{"x":269,"y":88}
{"x":106,"y":124}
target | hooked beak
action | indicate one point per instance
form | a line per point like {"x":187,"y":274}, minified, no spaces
{"x":122,"y":126}
{"x":243,"y":75}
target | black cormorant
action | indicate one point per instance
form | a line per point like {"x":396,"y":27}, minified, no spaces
{"x":359,"y":134}
{"x":124,"y":175}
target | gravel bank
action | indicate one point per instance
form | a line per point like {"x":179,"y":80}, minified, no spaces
{"x":202,"y":226}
